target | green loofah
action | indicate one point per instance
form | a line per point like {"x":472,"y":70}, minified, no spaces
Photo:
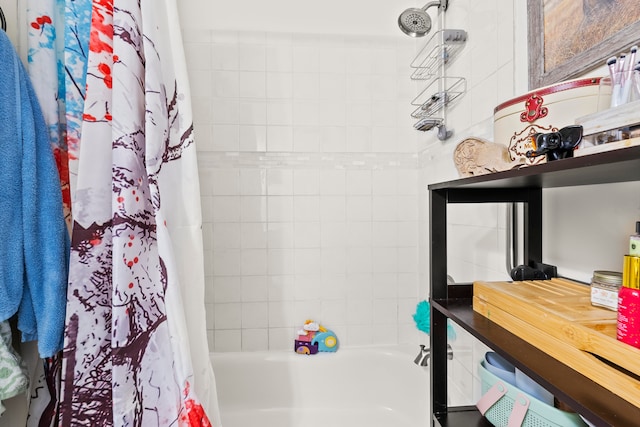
{"x":451,"y":333}
{"x":422,"y":317}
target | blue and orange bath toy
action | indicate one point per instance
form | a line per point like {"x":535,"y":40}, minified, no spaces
{"x":313,"y":338}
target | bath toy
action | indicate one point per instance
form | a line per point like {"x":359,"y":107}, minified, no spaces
{"x":305,"y":347}
{"x":313,"y":337}
{"x":326,"y":341}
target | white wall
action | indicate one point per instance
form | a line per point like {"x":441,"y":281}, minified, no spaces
{"x":353,"y":17}
{"x":11,"y":11}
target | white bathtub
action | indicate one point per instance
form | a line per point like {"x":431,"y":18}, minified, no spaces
{"x":372,"y":387}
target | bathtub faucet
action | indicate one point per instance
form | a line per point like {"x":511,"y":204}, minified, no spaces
{"x":422,"y":359}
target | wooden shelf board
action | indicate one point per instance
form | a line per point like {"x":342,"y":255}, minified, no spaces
{"x":557,"y":317}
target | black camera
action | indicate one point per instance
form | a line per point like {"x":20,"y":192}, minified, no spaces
{"x":556,"y":145}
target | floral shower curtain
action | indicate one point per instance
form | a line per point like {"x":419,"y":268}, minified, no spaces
{"x":45,"y":53}
{"x":133,"y":356}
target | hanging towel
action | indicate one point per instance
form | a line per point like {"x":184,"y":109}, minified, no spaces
{"x":34,"y":242}
{"x":13,"y":378}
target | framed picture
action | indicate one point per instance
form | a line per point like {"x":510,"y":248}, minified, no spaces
{"x":570,"y":37}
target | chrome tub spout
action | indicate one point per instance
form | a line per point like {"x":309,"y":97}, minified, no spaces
{"x":422,"y":359}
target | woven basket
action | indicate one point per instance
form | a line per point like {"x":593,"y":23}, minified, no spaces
{"x":538,"y":414}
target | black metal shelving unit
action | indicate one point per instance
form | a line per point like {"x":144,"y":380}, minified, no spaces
{"x":597,"y":404}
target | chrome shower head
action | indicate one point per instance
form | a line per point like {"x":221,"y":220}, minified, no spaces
{"x":414,"y":22}
{"x":417,"y":22}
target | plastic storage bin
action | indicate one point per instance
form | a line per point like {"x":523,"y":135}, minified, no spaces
{"x":538,"y":413}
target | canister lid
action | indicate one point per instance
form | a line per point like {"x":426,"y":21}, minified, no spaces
{"x":608,"y":277}
{"x":631,"y":272}
{"x":547,"y":90}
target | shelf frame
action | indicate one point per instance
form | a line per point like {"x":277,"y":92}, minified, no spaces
{"x":525,"y":185}
{"x":439,"y":199}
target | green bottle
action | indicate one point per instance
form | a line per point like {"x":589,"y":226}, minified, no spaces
{"x":634,"y":241}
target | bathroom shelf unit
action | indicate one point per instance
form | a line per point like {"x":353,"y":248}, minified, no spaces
{"x":429,"y":65}
{"x":598,"y":405}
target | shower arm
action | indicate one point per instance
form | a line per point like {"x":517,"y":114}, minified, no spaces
{"x":443,"y":4}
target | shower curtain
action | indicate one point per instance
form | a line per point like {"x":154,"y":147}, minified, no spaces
{"x":135,"y":349}
{"x":45,"y":22}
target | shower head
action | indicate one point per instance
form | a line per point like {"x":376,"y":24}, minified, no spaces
{"x":414,"y":22}
{"x":417,"y":22}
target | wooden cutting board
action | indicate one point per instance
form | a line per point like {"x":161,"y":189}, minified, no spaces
{"x":557,"y":316}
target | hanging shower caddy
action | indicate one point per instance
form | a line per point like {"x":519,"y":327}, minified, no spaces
{"x":440,"y":90}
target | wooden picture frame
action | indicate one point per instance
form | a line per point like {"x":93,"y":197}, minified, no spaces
{"x":586,"y":60}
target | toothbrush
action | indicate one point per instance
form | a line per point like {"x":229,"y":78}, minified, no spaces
{"x":626,"y":91}
{"x":626,"y":76}
{"x":636,"y":79}
{"x":620,"y":77}
{"x":612,"y":63}
{"x":620,"y":64}
{"x":632,"y":61}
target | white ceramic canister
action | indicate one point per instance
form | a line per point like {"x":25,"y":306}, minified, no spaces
{"x":544,"y":110}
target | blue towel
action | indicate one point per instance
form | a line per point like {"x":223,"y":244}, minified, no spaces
{"x":34,"y":243}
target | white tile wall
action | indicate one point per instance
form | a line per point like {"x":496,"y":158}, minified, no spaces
{"x":310,"y":198}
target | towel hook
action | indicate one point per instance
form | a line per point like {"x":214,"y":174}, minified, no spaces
{"x":3,"y":20}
